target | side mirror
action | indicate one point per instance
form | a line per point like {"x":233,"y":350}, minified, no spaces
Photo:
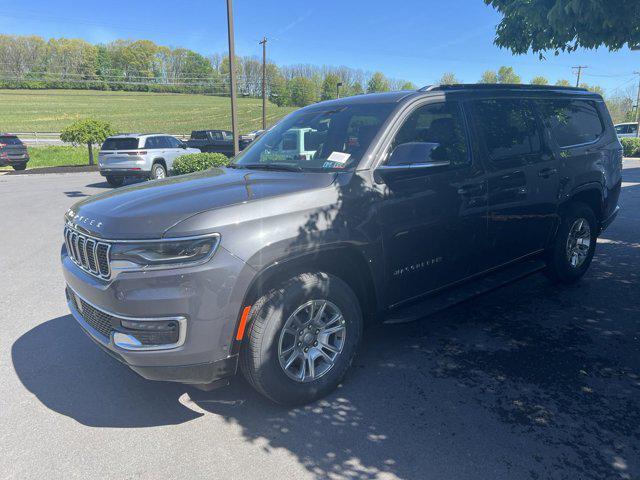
{"x":414,"y":155}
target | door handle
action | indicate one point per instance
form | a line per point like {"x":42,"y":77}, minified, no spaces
{"x":547,"y":172}
{"x":471,"y":189}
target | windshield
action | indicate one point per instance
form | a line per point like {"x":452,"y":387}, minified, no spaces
{"x":318,"y":139}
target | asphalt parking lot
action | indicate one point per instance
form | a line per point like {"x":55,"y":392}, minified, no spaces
{"x":531,"y":381}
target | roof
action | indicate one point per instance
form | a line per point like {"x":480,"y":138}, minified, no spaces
{"x":137,"y":135}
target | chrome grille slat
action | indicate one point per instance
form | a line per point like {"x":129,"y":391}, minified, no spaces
{"x":88,"y":253}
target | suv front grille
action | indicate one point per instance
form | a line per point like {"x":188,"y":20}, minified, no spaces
{"x":100,"y":321}
{"x":89,"y":254}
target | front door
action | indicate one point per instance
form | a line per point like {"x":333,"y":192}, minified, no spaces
{"x":433,"y":216}
{"x":523,"y":178}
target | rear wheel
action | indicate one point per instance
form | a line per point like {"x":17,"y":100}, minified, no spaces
{"x":115,"y":181}
{"x":574,"y":246}
{"x":301,"y":338}
{"x":20,"y":166}
{"x":158,"y":171}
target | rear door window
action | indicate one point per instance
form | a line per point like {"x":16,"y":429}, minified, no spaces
{"x":509,"y":128}
{"x":120,"y":144}
{"x":572,"y":122}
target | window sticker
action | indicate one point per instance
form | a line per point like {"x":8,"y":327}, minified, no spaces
{"x":339,"y":157}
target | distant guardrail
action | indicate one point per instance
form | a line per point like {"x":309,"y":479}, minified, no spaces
{"x":41,"y":139}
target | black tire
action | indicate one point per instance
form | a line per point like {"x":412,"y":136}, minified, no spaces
{"x":20,"y":166}
{"x":158,"y":171}
{"x":115,"y":181}
{"x":259,"y":360}
{"x":559,"y":266}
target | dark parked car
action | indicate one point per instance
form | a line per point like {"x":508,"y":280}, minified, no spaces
{"x":217,"y":141}
{"x":13,"y":152}
{"x":401,"y":204}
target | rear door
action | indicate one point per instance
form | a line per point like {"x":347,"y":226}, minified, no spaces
{"x":523,"y":177}
{"x":433,"y":218}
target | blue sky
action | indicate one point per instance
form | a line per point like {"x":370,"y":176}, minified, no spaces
{"x":414,"y":40}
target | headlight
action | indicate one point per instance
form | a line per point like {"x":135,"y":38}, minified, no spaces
{"x":169,"y":253}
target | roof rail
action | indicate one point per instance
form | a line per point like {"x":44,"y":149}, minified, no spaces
{"x":497,"y":86}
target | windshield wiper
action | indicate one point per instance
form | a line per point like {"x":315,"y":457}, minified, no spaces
{"x":272,"y":166}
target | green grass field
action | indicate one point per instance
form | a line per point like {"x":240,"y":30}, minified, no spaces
{"x":56,"y":156}
{"x":52,"y":110}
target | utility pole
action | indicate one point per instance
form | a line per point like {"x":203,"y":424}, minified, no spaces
{"x":578,"y":71}
{"x":638,"y":107}
{"x":232,"y":76}
{"x":338,"y":85}
{"x":264,"y":82}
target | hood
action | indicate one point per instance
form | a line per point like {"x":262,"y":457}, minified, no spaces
{"x":148,"y":209}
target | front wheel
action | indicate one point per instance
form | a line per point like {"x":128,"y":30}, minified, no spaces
{"x":574,"y":246}
{"x":301,"y":338}
{"x":20,"y":166}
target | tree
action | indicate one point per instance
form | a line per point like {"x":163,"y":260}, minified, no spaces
{"x":408,"y":86}
{"x":507,"y":75}
{"x":302,"y":91}
{"x":356,"y":89}
{"x":448,"y":78}
{"x":539,"y":80}
{"x":566,"y":25}
{"x":593,"y":88}
{"x":89,"y":132}
{"x":378,"y":83}
{"x":563,"y":83}
{"x":329,"y":90}
{"x":278,"y":91}
{"x":489,"y":77}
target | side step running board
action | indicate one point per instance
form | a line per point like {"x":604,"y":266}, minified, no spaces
{"x":472,"y":288}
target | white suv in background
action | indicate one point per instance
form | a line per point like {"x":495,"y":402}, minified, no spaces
{"x":626,"y":130}
{"x":138,"y":155}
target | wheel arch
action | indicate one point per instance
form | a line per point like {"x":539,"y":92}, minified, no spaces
{"x":345,"y":262}
{"x":590,"y":194}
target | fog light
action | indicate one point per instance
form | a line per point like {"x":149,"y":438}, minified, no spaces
{"x":150,"y":334}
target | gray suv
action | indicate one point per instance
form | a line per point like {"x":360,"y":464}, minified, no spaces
{"x":400,"y":205}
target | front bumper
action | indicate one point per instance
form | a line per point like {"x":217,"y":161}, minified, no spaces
{"x":609,"y":220}
{"x":209,"y":297}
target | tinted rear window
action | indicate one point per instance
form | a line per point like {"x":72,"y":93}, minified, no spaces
{"x":198,"y":135}
{"x":509,"y":127}
{"x":9,"y":140}
{"x":120,"y":144}
{"x":572,"y":122}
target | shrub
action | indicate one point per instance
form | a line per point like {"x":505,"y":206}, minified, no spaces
{"x":631,"y":147}
{"x":195,"y":162}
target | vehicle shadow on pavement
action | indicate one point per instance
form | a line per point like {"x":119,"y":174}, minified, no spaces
{"x":68,"y":373}
{"x":531,"y":381}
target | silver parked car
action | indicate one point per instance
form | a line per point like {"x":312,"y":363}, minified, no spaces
{"x":138,"y":155}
